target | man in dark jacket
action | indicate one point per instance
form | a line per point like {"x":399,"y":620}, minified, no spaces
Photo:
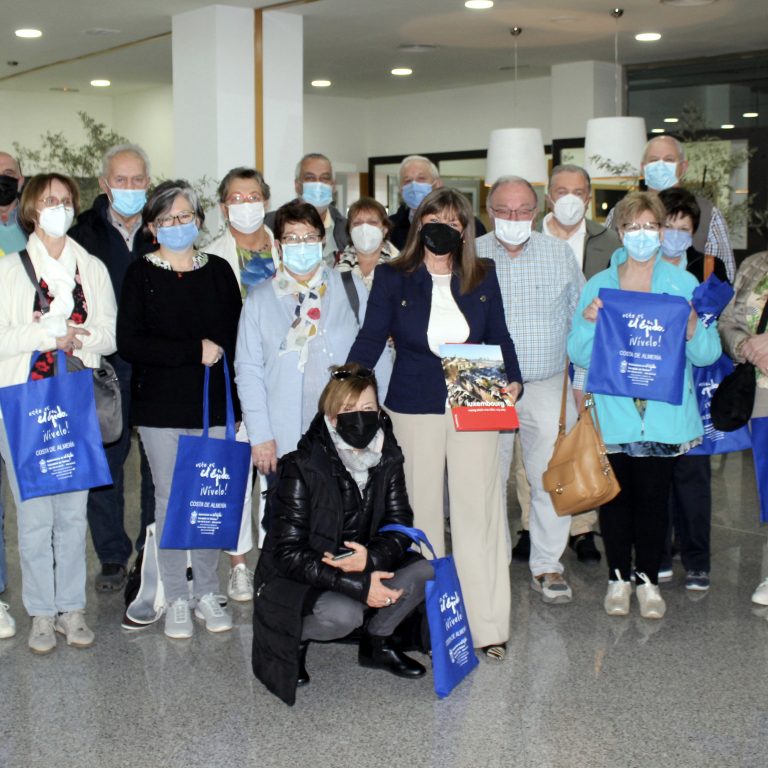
{"x":418,"y":177}
{"x":112,"y":231}
{"x":315,"y":184}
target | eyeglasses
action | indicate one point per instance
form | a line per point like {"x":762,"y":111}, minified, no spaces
{"x":296,"y":239}
{"x":649,"y":226}
{"x":185,"y":217}
{"x":237,"y":198}
{"x":344,"y":373}
{"x":54,"y":202}
{"x":507,"y":213}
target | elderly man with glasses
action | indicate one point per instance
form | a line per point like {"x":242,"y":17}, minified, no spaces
{"x":540,"y":286}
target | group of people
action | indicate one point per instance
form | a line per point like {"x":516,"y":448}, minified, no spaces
{"x":331,"y":328}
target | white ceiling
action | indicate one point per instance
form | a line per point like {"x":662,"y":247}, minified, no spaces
{"x":355,"y":43}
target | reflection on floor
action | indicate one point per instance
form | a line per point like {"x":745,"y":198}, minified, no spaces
{"x":578,"y":688}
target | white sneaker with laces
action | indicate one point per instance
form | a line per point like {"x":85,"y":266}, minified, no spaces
{"x":178,"y":620}
{"x":240,"y":587}
{"x":760,"y":595}
{"x":652,"y":605}
{"x":210,"y":611}
{"x":42,"y":638}
{"x":7,"y":624}
{"x":617,"y":597}
{"x":72,"y":625}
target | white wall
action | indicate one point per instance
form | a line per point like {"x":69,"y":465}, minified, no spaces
{"x":146,"y":119}
{"x":337,"y":127}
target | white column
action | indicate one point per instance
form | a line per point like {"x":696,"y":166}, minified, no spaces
{"x":582,"y":90}
{"x":213,"y":91}
{"x":283,"y":101}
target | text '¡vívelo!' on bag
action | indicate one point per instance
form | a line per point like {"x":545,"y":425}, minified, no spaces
{"x":208,"y":488}
{"x":639,"y":346}
{"x":53,"y":434}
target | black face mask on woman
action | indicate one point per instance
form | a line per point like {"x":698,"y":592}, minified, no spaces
{"x":9,"y":189}
{"x":441,"y":239}
{"x":357,"y":428}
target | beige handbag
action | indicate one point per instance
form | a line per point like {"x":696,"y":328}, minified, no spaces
{"x":579,"y":476}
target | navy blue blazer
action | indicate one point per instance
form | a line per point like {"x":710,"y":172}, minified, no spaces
{"x":399,"y":306}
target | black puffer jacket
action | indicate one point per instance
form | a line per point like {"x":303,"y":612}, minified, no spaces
{"x":314,"y":507}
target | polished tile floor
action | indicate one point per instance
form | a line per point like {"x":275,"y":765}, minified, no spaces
{"x":578,"y":688}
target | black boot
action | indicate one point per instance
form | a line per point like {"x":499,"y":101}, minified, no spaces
{"x":303,"y":674}
{"x":584,"y":547}
{"x":521,"y":552}
{"x":381,"y":653}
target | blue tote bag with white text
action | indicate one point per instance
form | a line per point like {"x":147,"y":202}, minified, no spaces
{"x":53,"y":433}
{"x":639,"y":346}
{"x":208,"y":487}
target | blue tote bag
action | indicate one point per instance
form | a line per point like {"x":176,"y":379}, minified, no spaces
{"x":453,"y":656}
{"x":706,"y":380}
{"x":208,"y":487}
{"x":639,"y":346}
{"x":759,"y":429}
{"x":53,"y":433}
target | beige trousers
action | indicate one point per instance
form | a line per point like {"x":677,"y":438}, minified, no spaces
{"x":584,"y":522}
{"x":430,"y":443}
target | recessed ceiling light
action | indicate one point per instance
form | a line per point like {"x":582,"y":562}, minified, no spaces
{"x":648,"y":37}
{"x":28,"y":33}
{"x":402,"y":71}
{"x":101,"y":83}
{"x":751,"y":114}
{"x":321,"y":83}
{"x":657,"y":130}
{"x":97,"y":31}
{"x":671,"y":120}
{"x":416,"y":47}
{"x":65,"y":89}
{"x":727,"y":126}
{"x":684,"y":3}
{"x":478,"y":5}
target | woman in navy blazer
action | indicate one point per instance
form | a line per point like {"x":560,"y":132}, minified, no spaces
{"x":438,"y":291}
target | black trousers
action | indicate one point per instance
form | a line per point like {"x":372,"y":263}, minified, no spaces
{"x":637,"y":519}
{"x":690,"y":508}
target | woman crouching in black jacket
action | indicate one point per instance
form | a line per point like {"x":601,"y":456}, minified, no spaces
{"x":323,"y":560}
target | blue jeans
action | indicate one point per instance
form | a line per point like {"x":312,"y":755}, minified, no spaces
{"x":106,"y":505}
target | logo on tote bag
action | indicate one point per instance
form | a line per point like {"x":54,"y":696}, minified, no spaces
{"x":212,"y":472}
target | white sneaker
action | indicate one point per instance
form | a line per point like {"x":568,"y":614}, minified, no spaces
{"x":760,"y":595}
{"x":553,"y":587}
{"x":240,"y":586}
{"x":42,"y":638}
{"x":652,"y":605}
{"x":215,"y":617}
{"x":7,"y":624}
{"x":72,"y":625}
{"x":178,"y":620}
{"x":617,"y":597}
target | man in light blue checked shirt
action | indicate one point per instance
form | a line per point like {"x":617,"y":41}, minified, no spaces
{"x":540,"y":285}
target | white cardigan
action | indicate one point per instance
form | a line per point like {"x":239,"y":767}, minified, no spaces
{"x":21,"y":334}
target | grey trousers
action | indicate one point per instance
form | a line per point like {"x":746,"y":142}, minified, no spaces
{"x":161,"y":446}
{"x":335,"y":615}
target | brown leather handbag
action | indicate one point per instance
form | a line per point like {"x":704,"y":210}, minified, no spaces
{"x":579,"y":476}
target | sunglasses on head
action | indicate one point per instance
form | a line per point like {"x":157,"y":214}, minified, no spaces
{"x":343,"y":373}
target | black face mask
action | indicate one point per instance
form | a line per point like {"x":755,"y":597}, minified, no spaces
{"x":9,"y":189}
{"x":440,"y":238}
{"x":357,"y":428}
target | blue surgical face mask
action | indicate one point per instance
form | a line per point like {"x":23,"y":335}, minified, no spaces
{"x":128,"y":202}
{"x":317,"y":193}
{"x":676,"y":242}
{"x":641,"y":245}
{"x":178,"y":237}
{"x":302,"y":258}
{"x":414,"y":192}
{"x":660,"y":175}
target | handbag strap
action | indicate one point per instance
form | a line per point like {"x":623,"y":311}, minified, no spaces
{"x":45,"y":305}
{"x":561,"y":424}
{"x":230,"y":431}
{"x":412,"y":533}
{"x":763,"y":320}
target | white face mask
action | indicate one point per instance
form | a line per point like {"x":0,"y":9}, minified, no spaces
{"x":512,"y":232}
{"x":366,"y":238}
{"x":569,"y":210}
{"x":246,"y":217}
{"x":55,"y":222}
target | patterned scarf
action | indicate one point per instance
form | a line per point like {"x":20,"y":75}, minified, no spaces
{"x":306,"y":314}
